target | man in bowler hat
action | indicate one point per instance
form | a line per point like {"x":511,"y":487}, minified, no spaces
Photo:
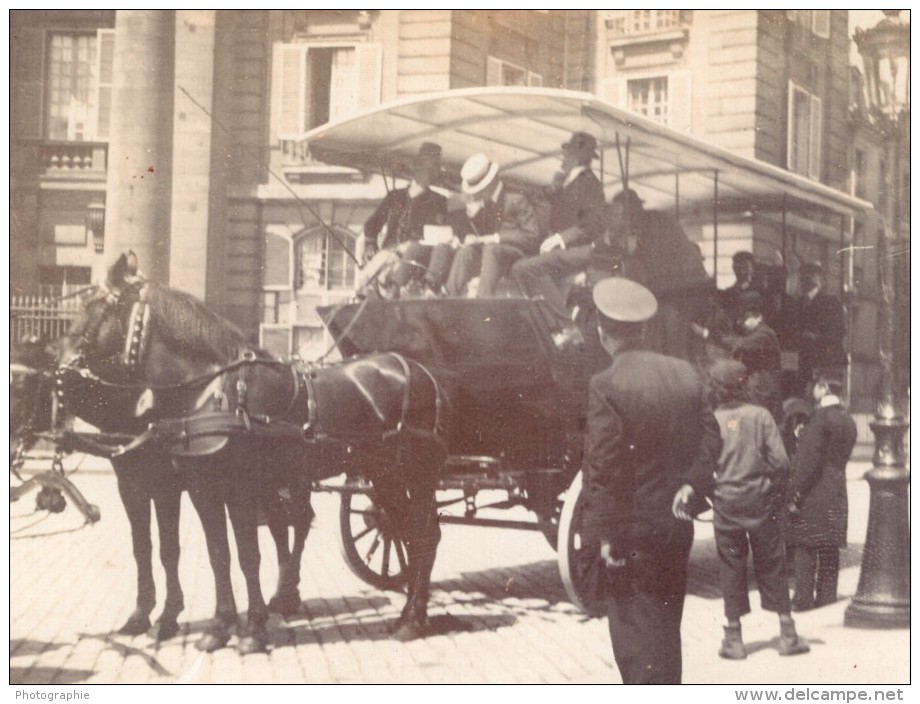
{"x":650,"y":432}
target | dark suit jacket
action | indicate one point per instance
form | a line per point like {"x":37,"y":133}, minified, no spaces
{"x":818,"y":481}
{"x":577,"y":211}
{"x":650,"y":431}
{"x":758,"y":351}
{"x":513,"y":218}
{"x":823,"y":318}
{"x":404,"y":217}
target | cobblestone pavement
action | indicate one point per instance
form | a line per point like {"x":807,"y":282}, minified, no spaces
{"x":499,"y":613}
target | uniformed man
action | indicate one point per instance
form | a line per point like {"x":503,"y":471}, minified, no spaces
{"x":649,"y":432}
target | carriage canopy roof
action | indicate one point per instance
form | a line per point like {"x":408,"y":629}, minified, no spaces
{"x":523,"y":129}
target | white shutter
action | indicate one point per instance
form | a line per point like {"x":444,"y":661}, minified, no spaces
{"x":821,"y":23}
{"x":369,"y":70}
{"x":814,"y":144}
{"x":493,"y":71}
{"x":105,"y":57}
{"x":289,"y":90}
{"x":278,"y":270}
{"x":680,"y":102}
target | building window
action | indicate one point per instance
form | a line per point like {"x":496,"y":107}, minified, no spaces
{"x":648,"y":97}
{"x":78,"y":86}
{"x":321,"y":261}
{"x":859,"y":173}
{"x":313,"y":84}
{"x":505,"y":73}
{"x":804,"y":133}
{"x":817,"y":21}
{"x":63,"y":280}
{"x":630,"y":22}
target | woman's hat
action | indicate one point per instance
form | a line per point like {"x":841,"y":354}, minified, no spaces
{"x":478,"y":173}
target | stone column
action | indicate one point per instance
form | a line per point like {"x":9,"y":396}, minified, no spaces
{"x":192,"y":125}
{"x":140,"y":144}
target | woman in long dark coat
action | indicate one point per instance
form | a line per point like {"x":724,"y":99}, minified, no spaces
{"x":818,"y":497}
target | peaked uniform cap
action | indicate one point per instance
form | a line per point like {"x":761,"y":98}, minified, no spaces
{"x":624,"y":301}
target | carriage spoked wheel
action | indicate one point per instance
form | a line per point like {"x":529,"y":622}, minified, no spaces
{"x":575,"y":554}
{"x":369,"y":543}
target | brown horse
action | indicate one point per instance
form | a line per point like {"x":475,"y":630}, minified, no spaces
{"x":244,"y":430}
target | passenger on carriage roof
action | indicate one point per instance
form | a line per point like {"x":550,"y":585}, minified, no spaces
{"x":576,"y":201}
{"x":393,"y":233}
{"x":504,"y":229}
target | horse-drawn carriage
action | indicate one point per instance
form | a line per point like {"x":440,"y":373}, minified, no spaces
{"x":434,"y":402}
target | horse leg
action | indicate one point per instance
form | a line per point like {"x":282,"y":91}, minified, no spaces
{"x":422,"y":535}
{"x":210,"y":509}
{"x":137,"y":506}
{"x":167,"y":505}
{"x":243,"y":517}
{"x":286,"y":600}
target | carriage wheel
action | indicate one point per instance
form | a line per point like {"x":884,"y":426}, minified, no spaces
{"x":575,"y":554}
{"x":369,"y":543}
{"x":549,"y":524}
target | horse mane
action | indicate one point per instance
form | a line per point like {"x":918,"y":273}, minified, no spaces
{"x":191,"y":328}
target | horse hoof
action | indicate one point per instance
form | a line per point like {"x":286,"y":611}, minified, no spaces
{"x":253,"y":643}
{"x":210,"y":642}
{"x":166,"y":629}
{"x":135,"y":626}
{"x":406,"y":631}
{"x":285,"y":605}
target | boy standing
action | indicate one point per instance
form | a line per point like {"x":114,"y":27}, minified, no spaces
{"x":818,"y":495}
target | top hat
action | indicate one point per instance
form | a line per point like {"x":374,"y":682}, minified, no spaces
{"x":624,"y":301}
{"x":478,"y":173}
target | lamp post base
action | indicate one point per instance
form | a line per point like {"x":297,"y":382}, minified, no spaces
{"x":882,"y":598}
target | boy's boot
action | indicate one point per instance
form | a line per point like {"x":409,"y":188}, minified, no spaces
{"x":789,"y":641}
{"x":732,"y":645}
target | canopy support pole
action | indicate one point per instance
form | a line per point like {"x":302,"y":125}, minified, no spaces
{"x":677,"y":195}
{"x":715,"y":227}
{"x":785,"y":262}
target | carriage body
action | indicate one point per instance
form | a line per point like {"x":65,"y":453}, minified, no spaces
{"x":516,"y":414}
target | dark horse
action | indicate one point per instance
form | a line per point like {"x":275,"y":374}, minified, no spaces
{"x":244,"y":430}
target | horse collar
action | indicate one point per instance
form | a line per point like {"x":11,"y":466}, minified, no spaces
{"x":138,"y":333}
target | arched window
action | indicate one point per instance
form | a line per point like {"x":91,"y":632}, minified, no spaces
{"x":322,"y":259}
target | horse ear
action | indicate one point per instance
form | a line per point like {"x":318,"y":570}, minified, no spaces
{"x":132,"y":263}
{"x":117,"y":272}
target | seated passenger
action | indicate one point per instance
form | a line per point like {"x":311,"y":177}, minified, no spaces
{"x":576,"y":200}
{"x":392,"y":234}
{"x":503,"y":229}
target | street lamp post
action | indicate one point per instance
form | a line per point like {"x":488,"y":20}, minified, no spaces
{"x":882,"y":599}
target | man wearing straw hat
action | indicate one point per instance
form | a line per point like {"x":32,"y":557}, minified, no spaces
{"x":505,"y":229}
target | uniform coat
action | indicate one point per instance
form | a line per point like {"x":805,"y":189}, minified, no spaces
{"x":818,"y":480}
{"x":649,"y":432}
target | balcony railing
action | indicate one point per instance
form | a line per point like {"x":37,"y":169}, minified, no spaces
{"x":638,"y":22}
{"x":74,"y":159}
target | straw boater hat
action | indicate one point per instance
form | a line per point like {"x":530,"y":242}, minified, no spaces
{"x":478,"y":173}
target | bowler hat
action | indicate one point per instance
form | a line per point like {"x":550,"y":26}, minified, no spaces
{"x":429,"y":155}
{"x":582,"y":142}
{"x":729,"y":373}
{"x":628,"y":197}
{"x":624,"y":301}
{"x":478,"y":173}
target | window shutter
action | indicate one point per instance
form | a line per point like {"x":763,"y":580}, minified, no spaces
{"x":680,"y":103}
{"x":277,"y":271}
{"x":814,"y":146}
{"x":105,"y":58}
{"x":369,"y":68}
{"x":289,"y":90}
{"x":493,"y":71}
{"x":821,"y":23}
